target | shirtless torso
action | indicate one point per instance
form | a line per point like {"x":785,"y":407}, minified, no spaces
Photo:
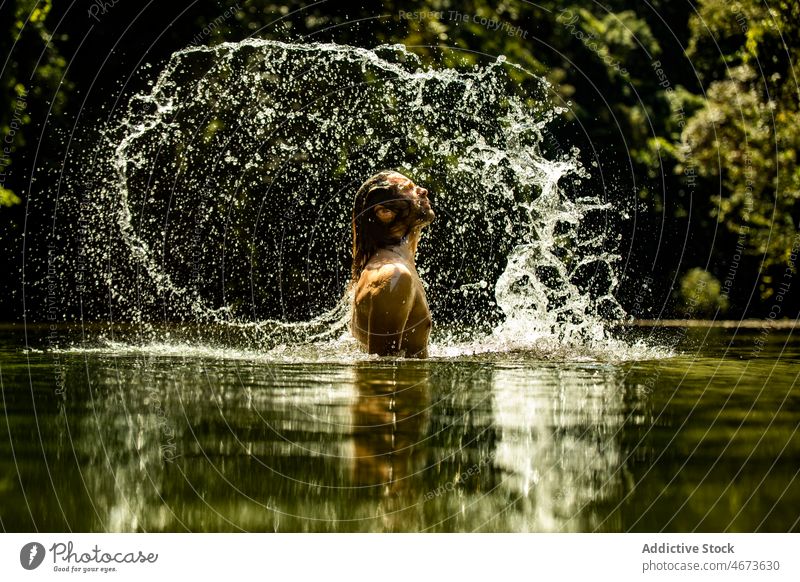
{"x":390,"y":309}
{"x":390,"y":313}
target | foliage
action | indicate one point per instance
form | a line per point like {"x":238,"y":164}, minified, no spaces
{"x":690,"y":115}
{"x":745,"y":139}
{"x":30,"y":80}
{"x":700,"y":294}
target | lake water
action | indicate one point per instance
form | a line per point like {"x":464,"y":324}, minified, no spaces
{"x":170,"y":438}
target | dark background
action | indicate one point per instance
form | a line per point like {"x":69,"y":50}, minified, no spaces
{"x":724,"y":86}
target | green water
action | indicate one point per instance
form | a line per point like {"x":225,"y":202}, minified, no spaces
{"x":138,"y":440}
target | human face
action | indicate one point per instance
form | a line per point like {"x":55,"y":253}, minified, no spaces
{"x":418,"y":196}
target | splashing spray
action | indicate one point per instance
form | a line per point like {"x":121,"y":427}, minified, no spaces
{"x":221,"y":198}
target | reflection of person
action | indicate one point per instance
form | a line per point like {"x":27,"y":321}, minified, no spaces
{"x":390,"y":418}
{"x":390,"y":311}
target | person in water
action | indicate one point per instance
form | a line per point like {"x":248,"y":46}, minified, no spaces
{"x":390,"y":310}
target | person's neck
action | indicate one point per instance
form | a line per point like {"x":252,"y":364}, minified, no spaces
{"x":407,"y":247}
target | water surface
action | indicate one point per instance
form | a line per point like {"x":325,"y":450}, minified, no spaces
{"x":119,"y":438}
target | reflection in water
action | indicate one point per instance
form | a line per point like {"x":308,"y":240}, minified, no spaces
{"x":390,"y":420}
{"x":136,"y":420}
{"x":559,"y":445}
{"x":153,"y":443}
{"x":169,"y":445}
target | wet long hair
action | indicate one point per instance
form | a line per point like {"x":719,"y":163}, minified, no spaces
{"x":370,"y":233}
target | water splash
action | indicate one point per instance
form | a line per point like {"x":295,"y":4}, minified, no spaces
{"x":221,"y":200}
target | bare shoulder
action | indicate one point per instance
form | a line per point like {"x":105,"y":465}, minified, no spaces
{"x":385,"y":278}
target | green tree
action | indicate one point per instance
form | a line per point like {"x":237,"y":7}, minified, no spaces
{"x":745,"y":140}
{"x":30,"y":80}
